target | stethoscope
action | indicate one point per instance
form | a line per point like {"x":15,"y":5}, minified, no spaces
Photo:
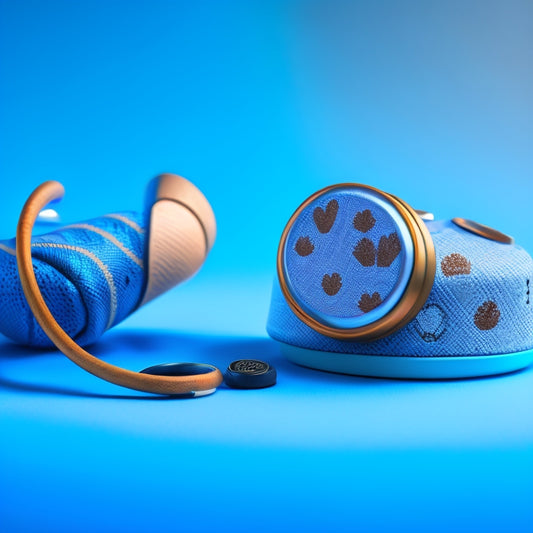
{"x":182,"y":379}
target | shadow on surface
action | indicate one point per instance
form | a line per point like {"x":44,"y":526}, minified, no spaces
{"x":134,"y":348}
{"x":144,"y":348}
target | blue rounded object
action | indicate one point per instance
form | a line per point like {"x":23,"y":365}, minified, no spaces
{"x":476,"y":318}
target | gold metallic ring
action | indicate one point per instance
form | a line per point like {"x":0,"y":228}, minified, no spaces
{"x":482,"y":230}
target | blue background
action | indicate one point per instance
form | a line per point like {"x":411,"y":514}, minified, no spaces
{"x":260,"y":104}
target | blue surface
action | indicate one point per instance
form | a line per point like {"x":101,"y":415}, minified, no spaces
{"x":261,"y":104}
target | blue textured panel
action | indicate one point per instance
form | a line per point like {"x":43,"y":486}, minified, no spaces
{"x":479,"y":304}
{"x":89,"y":278}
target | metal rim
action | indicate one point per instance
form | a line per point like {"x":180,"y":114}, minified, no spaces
{"x":483,"y":231}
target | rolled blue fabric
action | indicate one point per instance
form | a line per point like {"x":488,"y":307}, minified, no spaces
{"x":91,"y":275}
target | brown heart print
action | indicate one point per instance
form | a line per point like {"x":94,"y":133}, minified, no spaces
{"x":365,"y":252}
{"x":367,"y":302}
{"x":364,"y":221}
{"x":304,"y":246}
{"x":331,"y":284}
{"x":454,"y":265}
{"x":487,"y":316}
{"x":388,"y":249}
{"x":324,"y":219}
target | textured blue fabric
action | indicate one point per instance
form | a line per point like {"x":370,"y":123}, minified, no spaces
{"x":91,"y":275}
{"x":480,"y":304}
{"x":336,"y":252}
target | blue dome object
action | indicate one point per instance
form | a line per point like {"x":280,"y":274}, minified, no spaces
{"x":476,"y":319}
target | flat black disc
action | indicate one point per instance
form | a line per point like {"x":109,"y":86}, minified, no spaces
{"x":250,"y":374}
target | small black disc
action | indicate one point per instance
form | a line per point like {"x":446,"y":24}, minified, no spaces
{"x":250,"y":374}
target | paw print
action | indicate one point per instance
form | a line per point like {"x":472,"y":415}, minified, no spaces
{"x":388,"y":250}
{"x":364,"y":221}
{"x":367,"y":302}
{"x":304,"y":246}
{"x":365,"y":252}
{"x":331,"y":284}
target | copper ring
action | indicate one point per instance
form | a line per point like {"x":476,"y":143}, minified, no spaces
{"x":483,"y":231}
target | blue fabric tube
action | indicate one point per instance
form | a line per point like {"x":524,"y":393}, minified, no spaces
{"x":91,"y":275}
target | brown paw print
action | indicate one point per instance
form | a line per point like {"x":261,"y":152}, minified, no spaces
{"x":487,"y":316}
{"x":331,"y":284}
{"x":364,"y":221}
{"x":365,"y":252}
{"x":367,"y":302}
{"x":304,"y":246}
{"x":454,"y":265}
{"x":324,"y":219}
{"x":388,"y":249}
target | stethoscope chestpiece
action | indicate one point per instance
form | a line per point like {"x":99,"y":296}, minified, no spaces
{"x":355,"y":263}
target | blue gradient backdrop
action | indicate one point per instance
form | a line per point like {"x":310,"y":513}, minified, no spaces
{"x":260,"y":104}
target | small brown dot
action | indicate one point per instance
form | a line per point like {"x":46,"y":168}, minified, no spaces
{"x":364,"y":221}
{"x":304,"y":246}
{"x":455,"y":265}
{"x":367,"y":302}
{"x":331,"y":284}
{"x":487,"y":316}
{"x":365,"y":252}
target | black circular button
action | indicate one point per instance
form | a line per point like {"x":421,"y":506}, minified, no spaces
{"x":250,"y":374}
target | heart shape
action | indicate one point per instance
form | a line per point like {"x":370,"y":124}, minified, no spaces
{"x":388,"y":249}
{"x":331,"y":284}
{"x":367,"y":302}
{"x":324,"y":219}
